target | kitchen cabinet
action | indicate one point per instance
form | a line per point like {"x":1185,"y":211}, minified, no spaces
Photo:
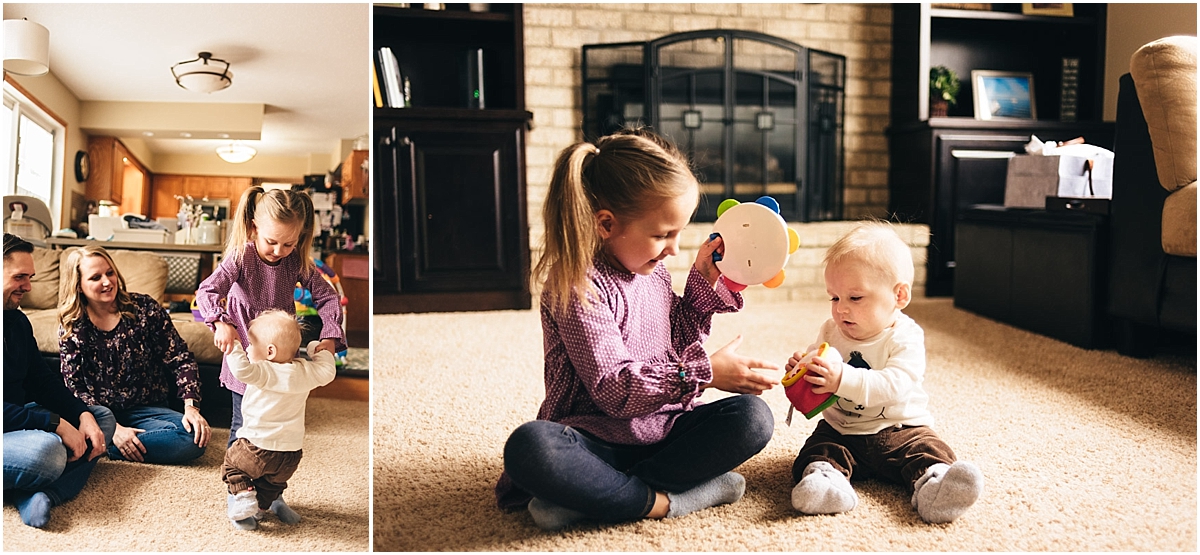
{"x":167,"y":187}
{"x":356,"y":182}
{"x":354,"y":274}
{"x":117,"y":175}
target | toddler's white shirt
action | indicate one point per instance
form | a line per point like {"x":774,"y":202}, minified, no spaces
{"x":276,"y":393}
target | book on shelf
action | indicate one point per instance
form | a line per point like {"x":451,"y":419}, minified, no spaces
{"x":390,"y":67}
{"x":1069,"y":91}
{"x":375,"y":88}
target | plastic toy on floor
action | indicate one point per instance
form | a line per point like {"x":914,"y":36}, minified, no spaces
{"x":757,"y":243}
{"x":800,"y":392}
{"x":306,"y":309}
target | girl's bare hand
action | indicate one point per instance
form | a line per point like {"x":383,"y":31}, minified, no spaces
{"x":734,"y":373}
{"x":704,"y":262}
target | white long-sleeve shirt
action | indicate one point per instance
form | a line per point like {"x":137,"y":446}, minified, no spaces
{"x":881,"y":379}
{"x":276,"y":393}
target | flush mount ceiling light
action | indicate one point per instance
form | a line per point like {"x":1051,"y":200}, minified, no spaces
{"x":236,"y":153}
{"x":205,"y":74}
{"x":26,"y":47}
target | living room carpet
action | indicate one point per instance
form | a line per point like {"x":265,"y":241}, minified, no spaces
{"x":132,"y":507}
{"x":1081,"y":450}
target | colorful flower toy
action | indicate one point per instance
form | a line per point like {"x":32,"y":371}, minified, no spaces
{"x":800,"y":392}
{"x":757,"y":243}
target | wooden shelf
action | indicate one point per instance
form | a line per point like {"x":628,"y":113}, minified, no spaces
{"x":1008,"y":16}
{"x":444,"y":15}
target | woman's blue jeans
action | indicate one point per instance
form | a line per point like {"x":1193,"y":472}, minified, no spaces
{"x":36,"y":461}
{"x":616,"y":483}
{"x":165,"y":439}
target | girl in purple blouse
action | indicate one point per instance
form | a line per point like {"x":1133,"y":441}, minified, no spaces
{"x":268,"y":251}
{"x":622,"y":434}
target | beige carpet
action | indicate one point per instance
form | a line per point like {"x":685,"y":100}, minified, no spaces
{"x":132,"y":507}
{"x":1082,"y":450}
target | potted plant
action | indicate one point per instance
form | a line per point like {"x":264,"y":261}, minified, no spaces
{"x":943,"y":90}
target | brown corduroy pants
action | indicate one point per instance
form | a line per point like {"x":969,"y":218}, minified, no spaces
{"x":898,"y":455}
{"x":247,"y":466}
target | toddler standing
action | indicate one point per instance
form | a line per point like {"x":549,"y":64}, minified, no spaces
{"x":269,"y":443}
{"x":880,"y":425}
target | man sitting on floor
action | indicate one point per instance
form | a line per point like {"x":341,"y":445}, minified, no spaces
{"x":48,"y":456}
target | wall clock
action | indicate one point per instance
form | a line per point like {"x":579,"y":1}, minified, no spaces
{"x":83,"y":166}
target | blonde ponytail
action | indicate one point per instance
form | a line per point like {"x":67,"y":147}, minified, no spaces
{"x":570,"y":241}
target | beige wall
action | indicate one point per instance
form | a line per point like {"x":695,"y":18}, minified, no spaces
{"x":1129,"y":27}
{"x":554,"y":34}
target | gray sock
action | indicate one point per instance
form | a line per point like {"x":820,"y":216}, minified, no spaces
{"x":35,"y":510}
{"x":551,"y":517}
{"x":726,"y":488}
{"x":244,"y":524}
{"x":284,"y":512}
{"x":823,"y":490}
{"x":945,"y":492}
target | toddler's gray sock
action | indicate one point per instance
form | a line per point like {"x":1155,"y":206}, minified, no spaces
{"x":244,"y":524}
{"x":726,"y":488}
{"x":35,"y":510}
{"x":551,"y":517}
{"x":945,"y":492}
{"x":284,"y":512}
{"x":823,"y":491}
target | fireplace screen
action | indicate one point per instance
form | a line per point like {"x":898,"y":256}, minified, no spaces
{"x":757,"y":115}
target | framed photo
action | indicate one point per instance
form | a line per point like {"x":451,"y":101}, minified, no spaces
{"x":1003,"y":95}
{"x":1060,"y":10}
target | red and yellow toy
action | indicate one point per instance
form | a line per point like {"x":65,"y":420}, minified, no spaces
{"x":800,"y":392}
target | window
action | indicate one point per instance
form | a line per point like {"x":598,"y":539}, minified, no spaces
{"x":33,"y":147}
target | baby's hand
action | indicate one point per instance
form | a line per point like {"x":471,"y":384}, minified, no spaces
{"x":825,"y":371}
{"x":704,"y":261}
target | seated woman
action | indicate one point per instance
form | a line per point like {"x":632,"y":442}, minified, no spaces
{"x":121,"y":351}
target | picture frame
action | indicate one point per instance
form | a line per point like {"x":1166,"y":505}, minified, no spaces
{"x":1003,"y":95}
{"x":1056,"y":10}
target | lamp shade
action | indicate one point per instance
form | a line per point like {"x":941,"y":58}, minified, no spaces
{"x":205,"y":74}
{"x":236,"y":153}
{"x":26,"y":47}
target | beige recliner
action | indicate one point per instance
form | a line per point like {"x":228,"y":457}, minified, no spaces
{"x":1152,"y":278}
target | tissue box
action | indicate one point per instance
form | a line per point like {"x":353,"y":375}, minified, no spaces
{"x":101,"y":228}
{"x":1032,"y":178}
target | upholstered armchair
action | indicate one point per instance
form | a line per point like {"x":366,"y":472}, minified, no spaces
{"x":1152,"y":279}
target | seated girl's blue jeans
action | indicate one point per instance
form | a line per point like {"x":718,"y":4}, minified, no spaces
{"x":616,"y":483}
{"x":36,"y":461}
{"x":165,"y":439}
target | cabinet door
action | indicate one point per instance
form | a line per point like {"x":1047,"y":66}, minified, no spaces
{"x":165,"y":188}
{"x":971,"y":169}
{"x":355,"y":178}
{"x":459,"y":201}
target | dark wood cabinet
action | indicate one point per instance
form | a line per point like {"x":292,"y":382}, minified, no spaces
{"x":451,"y":200}
{"x":450,"y":230}
{"x":941,"y":165}
{"x":944,"y":165}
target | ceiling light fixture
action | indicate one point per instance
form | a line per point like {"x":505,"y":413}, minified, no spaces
{"x":205,"y":74}
{"x":26,"y":47}
{"x":236,"y":153}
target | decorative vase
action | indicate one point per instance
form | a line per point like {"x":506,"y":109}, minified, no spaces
{"x":938,"y":107}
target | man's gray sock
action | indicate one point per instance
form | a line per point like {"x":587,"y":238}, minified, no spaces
{"x":284,"y":512}
{"x":945,"y":492}
{"x":35,"y":510}
{"x":726,"y":488}
{"x":823,"y":490}
{"x":551,"y":517}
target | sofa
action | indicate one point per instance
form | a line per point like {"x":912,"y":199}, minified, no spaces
{"x":144,"y":272}
{"x":1152,"y":225}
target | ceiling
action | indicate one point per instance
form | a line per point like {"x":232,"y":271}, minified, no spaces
{"x":308,"y":64}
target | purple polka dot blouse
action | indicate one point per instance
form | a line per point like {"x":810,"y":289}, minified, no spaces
{"x":236,"y":294}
